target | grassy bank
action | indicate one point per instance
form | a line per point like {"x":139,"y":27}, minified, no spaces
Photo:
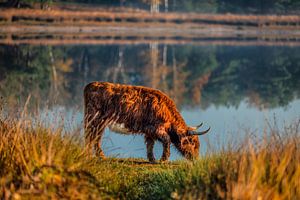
{"x":37,"y":162}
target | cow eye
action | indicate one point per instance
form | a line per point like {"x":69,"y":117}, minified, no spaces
{"x":194,"y":141}
{"x":185,"y":142}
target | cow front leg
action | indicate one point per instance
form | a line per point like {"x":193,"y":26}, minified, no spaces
{"x":166,"y":141}
{"x":150,"y":144}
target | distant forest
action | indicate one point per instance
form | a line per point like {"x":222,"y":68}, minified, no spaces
{"x":204,"y":6}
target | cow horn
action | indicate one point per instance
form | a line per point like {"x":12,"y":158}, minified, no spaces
{"x":196,"y":127}
{"x":202,"y":132}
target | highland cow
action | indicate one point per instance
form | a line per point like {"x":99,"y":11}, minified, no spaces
{"x":137,"y":110}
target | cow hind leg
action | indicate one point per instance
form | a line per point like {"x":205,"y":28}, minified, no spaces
{"x":150,"y":144}
{"x":100,"y":132}
{"x":97,"y":144}
{"x":93,"y":142}
{"x":89,"y":138}
{"x":94,"y":131}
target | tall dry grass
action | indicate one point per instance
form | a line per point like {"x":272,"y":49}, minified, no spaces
{"x":43,"y":163}
{"x":260,"y":168}
{"x":271,"y":168}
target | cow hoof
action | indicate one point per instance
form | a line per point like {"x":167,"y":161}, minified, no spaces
{"x":102,"y":157}
{"x":152,"y":161}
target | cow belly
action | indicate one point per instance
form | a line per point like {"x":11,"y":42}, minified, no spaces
{"x":119,"y":128}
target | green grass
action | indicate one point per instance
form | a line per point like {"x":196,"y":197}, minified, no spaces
{"x":42,"y":163}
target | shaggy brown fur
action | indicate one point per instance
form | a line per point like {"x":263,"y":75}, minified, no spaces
{"x":136,"y":110}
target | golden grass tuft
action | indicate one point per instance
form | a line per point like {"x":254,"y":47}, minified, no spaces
{"x":271,"y":170}
{"x":42,"y":163}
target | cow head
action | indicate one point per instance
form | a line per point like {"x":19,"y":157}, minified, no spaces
{"x":189,"y":143}
{"x":189,"y":146}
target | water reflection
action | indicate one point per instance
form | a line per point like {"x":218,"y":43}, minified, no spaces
{"x":267,"y":77}
{"x":224,"y":86}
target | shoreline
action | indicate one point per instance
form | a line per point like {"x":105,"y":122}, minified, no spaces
{"x":54,"y":27}
{"x":56,"y":35}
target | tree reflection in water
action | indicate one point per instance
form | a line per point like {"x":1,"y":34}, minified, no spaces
{"x":266,"y":77}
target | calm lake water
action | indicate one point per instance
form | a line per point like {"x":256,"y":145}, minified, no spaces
{"x":233,"y":89}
